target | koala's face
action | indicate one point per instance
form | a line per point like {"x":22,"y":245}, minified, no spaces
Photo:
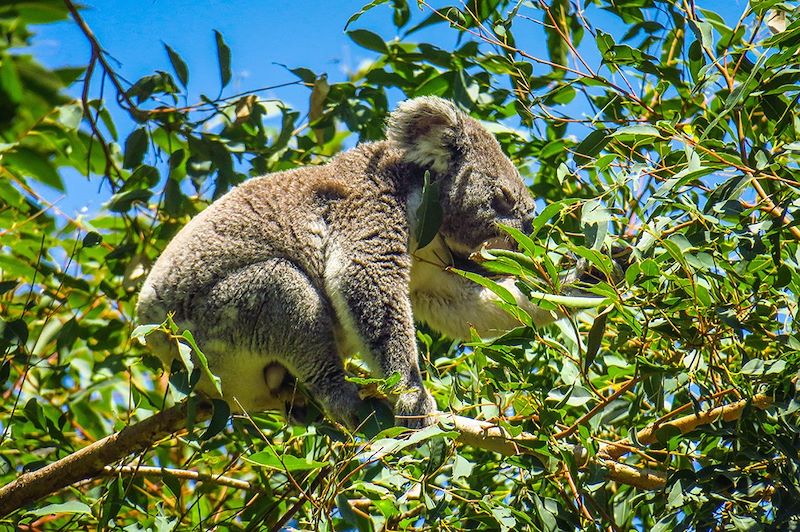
{"x":484,"y":189}
{"x":480,"y":187}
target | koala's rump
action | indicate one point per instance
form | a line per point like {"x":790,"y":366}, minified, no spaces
{"x":209,"y":274}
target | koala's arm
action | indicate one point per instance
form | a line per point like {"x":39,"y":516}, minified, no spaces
{"x":369,"y":289}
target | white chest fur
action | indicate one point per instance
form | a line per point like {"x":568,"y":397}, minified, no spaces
{"x":452,"y":304}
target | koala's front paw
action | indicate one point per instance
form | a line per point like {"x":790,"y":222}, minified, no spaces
{"x":415,"y":409}
{"x":344,"y":405}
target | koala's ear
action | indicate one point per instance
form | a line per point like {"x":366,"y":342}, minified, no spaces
{"x":429,"y":130}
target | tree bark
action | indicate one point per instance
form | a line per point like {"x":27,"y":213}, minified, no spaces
{"x":90,"y":461}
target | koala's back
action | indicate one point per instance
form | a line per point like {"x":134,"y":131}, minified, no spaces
{"x":282,"y":215}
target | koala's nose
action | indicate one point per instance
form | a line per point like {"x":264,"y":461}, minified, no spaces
{"x":527,"y":223}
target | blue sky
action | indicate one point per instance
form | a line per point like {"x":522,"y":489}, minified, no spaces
{"x":306,"y":33}
{"x":261,"y":34}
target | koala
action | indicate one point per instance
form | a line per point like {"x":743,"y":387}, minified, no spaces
{"x":292,"y":271}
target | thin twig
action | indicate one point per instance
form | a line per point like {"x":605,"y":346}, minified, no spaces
{"x":185,"y":474}
{"x":597,"y":408}
{"x":98,"y":53}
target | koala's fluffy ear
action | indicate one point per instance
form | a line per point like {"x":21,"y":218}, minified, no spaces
{"x":429,"y":130}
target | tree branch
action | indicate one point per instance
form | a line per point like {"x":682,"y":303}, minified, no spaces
{"x":94,"y":459}
{"x":185,"y":474}
{"x":646,"y":436}
{"x":491,"y":437}
{"x":90,"y":461}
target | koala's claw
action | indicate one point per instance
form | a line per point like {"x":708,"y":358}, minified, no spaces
{"x":415,"y":409}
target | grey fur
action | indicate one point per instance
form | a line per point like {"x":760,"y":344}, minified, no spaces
{"x":298,"y":269}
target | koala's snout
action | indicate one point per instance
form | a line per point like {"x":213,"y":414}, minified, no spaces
{"x":519,"y":220}
{"x":527,"y":222}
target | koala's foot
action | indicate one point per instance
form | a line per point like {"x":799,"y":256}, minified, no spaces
{"x":341,"y":402}
{"x":415,"y":409}
{"x":300,"y":411}
{"x":284,"y":387}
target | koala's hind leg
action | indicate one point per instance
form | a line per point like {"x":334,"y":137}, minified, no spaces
{"x":273,"y":311}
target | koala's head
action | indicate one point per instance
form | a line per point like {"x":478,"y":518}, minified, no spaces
{"x":480,"y":187}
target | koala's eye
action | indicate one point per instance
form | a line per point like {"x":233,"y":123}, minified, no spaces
{"x":504,"y":200}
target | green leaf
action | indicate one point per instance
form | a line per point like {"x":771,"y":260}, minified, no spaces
{"x":594,"y":223}
{"x":67,"y":335}
{"x":438,"y":85}
{"x":344,"y":507}
{"x":6,"y":286}
{"x":70,"y":115}
{"x":390,"y":446}
{"x":92,"y":239}
{"x":590,"y":146}
{"x":135,"y":148}
{"x":548,"y":212}
{"x":567,"y":301}
{"x":704,"y":33}
{"x":178,"y":64}
{"x":69,"y":507}
{"x":632,"y":132}
{"x":594,"y":340}
{"x":203,"y":360}
{"x":224,"y":59}
{"x":5,"y":371}
{"x":33,"y":411}
{"x":31,"y":163}
{"x":555,"y":21}
{"x":498,"y":290}
{"x":697,"y":60}
{"x":363,"y":10}
{"x":522,"y":239}
{"x":754,"y":367}
{"x":367,"y":39}
{"x":666,"y":432}
{"x":143,"y":330}
{"x":462,"y":468}
{"x":270,"y":459}
{"x":219,"y":418}
{"x":123,"y":201}
{"x":429,"y":214}
{"x":185,"y":353}
{"x":9,"y":80}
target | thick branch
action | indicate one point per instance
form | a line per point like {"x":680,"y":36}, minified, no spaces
{"x":646,"y":436}
{"x":493,"y":438}
{"x":485,"y":435}
{"x":90,"y":461}
{"x":642,"y":478}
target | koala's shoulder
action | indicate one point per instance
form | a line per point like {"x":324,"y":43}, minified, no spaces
{"x":338,"y":178}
